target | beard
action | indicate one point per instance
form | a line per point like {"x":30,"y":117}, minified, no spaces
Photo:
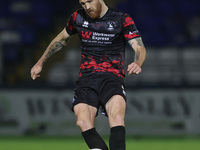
{"x":94,"y":13}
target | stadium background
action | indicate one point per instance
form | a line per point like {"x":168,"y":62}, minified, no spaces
{"x":163,"y":102}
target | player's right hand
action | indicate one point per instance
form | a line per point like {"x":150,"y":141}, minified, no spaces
{"x":35,"y":71}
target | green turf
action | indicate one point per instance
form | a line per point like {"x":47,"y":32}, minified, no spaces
{"x":163,"y":144}
{"x":44,"y":143}
{"x":34,"y":143}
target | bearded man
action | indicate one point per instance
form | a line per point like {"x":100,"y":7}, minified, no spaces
{"x":103,"y":32}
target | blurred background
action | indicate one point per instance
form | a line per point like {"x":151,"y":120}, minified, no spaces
{"x":164,"y":100}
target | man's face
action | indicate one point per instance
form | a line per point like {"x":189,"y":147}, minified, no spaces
{"x":92,"y":8}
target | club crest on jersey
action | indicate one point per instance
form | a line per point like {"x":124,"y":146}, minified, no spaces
{"x":111,"y":25}
{"x":85,"y":24}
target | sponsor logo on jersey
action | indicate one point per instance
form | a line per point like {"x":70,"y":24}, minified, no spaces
{"x":102,"y":36}
{"x":85,"y":24}
{"x":131,"y":35}
{"x":96,"y":36}
{"x":86,"y":34}
{"x":134,"y":32}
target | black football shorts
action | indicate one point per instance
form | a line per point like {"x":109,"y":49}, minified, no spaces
{"x":97,"y":88}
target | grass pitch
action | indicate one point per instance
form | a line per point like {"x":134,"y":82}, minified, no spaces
{"x":66,"y":143}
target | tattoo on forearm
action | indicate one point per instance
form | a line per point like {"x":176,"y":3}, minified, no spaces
{"x":140,"y":43}
{"x":54,"y":48}
{"x":137,"y":55}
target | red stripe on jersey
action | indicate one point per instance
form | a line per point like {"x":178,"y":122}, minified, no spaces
{"x":128,"y":21}
{"x":130,"y":36}
{"x":74,"y":16}
{"x":71,"y":27}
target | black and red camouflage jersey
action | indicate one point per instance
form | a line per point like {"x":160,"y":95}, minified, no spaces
{"x":102,"y":40}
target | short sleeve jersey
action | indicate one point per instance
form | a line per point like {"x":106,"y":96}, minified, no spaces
{"x":102,"y":40}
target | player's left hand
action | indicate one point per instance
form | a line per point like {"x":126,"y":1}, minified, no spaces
{"x":134,"y":68}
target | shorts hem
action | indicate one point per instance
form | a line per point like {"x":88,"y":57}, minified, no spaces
{"x":74,"y":104}
{"x":107,"y":99}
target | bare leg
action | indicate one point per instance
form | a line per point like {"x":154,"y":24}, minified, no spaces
{"x":115,"y":108}
{"x":85,"y":115}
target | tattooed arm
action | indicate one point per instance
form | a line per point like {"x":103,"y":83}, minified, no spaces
{"x":57,"y":44}
{"x":140,"y":56}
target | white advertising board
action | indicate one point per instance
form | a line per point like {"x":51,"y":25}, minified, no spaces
{"x":149,"y":112}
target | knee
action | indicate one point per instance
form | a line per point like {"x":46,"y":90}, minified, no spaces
{"x":83,"y":124}
{"x":117,"y":120}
